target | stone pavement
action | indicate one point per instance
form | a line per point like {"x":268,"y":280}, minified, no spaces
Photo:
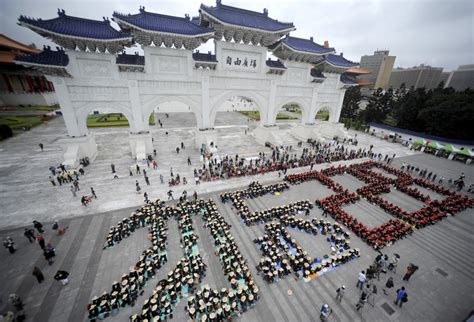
{"x":441,"y":290}
{"x":24,"y":168}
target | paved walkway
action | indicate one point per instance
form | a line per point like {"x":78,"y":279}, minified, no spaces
{"x":24,"y":168}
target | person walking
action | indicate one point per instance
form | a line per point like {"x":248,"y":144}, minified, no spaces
{"x":48,"y":254}
{"x":93,"y":193}
{"x":41,"y":241}
{"x":52,"y":181}
{"x":137,"y":186}
{"x":170,"y":195}
{"x":388,"y":285}
{"x":363,"y":298}
{"x":361,"y":280}
{"x":195,"y":195}
{"x":340,"y":293}
{"x":411,"y":269}
{"x":147,"y":180}
{"x":9,"y":245}
{"x":402,"y":296}
{"x":30,"y":234}
{"x":112,"y":167}
{"x":41,"y":146}
{"x":38,"y":226}
{"x":189,"y":161}
{"x":62,"y":276}
{"x":15,"y":300}
{"x":325,"y":312}
{"x":137,"y":168}
{"x":144,"y":173}
{"x":145,"y":195}
{"x":177,"y":150}
{"x":38,"y":274}
{"x":162,"y":181}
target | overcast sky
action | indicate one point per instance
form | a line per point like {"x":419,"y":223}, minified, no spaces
{"x":438,"y":33}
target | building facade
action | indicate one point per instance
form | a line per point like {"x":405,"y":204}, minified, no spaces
{"x":461,"y":78}
{"x":93,"y":73}
{"x":416,"y":77}
{"x":21,"y":85}
{"x":380,"y":64}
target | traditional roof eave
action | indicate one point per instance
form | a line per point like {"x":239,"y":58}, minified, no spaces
{"x":45,"y":31}
{"x":286,"y":30}
{"x":28,"y":64}
{"x":132,"y":26}
{"x":302,"y":51}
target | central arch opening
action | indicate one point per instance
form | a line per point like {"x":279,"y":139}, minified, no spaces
{"x":172,"y":114}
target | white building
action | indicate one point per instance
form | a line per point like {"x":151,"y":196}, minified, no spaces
{"x":92,"y":73}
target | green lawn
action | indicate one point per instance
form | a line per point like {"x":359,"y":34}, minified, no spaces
{"x":21,"y":122}
{"x":111,"y":119}
{"x":255,"y":115}
{"x":322,"y":115}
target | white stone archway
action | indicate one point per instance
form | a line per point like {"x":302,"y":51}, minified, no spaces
{"x":303,"y":104}
{"x":149,"y":106}
{"x":259,"y":100}
{"x":83,"y":111}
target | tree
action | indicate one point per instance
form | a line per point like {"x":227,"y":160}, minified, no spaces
{"x":5,"y":131}
{"x":374,"y":111}
{"x":350,"y":106}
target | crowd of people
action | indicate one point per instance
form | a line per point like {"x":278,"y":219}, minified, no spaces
{"x":281,"y":159}
{"x":184,"y":279}
{"x":282,"y":255}
{"x":377,"y":184}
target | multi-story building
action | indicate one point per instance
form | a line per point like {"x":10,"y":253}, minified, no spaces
{"x":416,"y":77}
{"x":461,"y":78}
{"x":380,"y":64}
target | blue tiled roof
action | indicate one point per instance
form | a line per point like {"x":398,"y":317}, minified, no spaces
{"x":126,"y":59}
{"x":348,"y":80}
{"x":340,"y":61}
{"x":275,"y":64}
{"x":46,"y":57}
{"x":306,"y":45}
{"x":197,"y":56}
{"x":73,"y":26}
{"x":245,"y":18}
{"x":161,"y":23}
{"x":316,"y":73}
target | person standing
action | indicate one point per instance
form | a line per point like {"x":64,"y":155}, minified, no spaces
{"x":112,"y":167}
{"x":93,"y":193}
{"x":144,"y":172}
{"x":52,"y":181}
{"x":162,"y":179}
{"x":30,"y":234}
{"x":145,"y":195}
{"x":73,"y":190}
{"x":402,"y":296}
{"x":325,"y":312}
{"x":388,"y":285}
{"x":41,"y":146}
{"x":411,"y":269}
{"x":38,"y":274}
{"x":189,"y":161}
{"x":38,"y":226}
{"x":340,"y":293}
{"x":361,"y":280}
{"x":137,"y":185}
{"x":147,"y":180}
{"x":137,"y":167}
{"x":195,"y":195}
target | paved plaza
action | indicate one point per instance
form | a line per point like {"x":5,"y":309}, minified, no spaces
{"x":441,"y":290}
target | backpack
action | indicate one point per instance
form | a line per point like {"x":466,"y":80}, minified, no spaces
{"x":405,"y":298}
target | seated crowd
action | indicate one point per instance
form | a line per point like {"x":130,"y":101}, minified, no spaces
{"x":282,"y":255}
